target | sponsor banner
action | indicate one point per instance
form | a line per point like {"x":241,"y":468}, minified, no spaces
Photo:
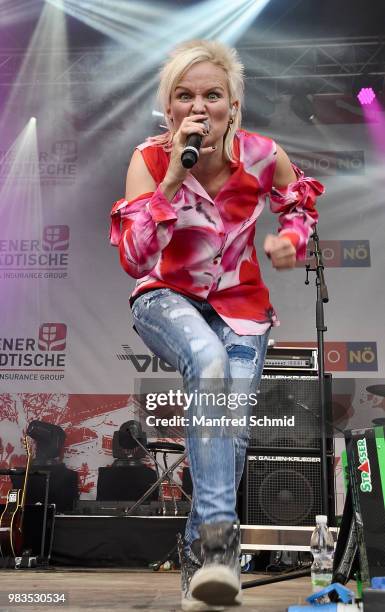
{"x":341,"y":254}
{"x":339,"y":357}
{"x":45,"y":257}
{"x":55,"y":166}
{"x":36,"y":358}
{"x":330,"y":163}
{"x":345,"y":356}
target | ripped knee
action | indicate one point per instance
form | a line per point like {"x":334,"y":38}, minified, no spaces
{"x":243,"y":352}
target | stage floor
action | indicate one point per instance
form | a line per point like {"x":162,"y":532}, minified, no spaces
{"x":124,"y":590}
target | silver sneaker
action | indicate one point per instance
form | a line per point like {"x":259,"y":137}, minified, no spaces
{"x":189,"y":565}
{"x":218,"y":581}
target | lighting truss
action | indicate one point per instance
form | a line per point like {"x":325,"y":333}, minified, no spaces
{"x":320,"y":66}
{"x":325,"y":66}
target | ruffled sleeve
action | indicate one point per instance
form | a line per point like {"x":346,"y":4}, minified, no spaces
{"x":295,"y":205}
{"x":142,"y":228}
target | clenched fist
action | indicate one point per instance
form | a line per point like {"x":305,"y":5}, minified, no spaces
{"x":281,"y":251}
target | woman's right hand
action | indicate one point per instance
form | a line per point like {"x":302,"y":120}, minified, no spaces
{"x":193,"y":124}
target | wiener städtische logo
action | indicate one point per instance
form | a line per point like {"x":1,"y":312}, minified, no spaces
{"x":56,"y":165}
{"x":45,"y":256}
{"x":341,"y":254}
{"x":41,"y":356}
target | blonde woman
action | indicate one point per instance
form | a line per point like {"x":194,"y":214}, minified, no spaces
{"x":200,"y":303}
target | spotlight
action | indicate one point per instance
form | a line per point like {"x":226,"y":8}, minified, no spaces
{"x":49,"y":441}
{"x":33,"y":120}
{"x":302,"y":106}
{"x":63,"y":482}
{"x":128,"y":478}
{"x":125,"y":448}
{"x":366,"y":87}
{"x":366,"y":95}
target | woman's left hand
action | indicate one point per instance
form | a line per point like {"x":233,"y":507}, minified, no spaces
{"x":281,"y":251}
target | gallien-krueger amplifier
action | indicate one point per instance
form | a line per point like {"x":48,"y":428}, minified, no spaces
{"x":283,"y":489}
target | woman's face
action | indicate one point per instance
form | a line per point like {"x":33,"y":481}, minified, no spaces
{"x":202,"y":89}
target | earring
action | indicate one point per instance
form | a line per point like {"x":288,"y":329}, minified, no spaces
{"x":231,"y":120}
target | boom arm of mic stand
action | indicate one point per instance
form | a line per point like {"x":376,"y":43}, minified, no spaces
{"x":319,"y":267}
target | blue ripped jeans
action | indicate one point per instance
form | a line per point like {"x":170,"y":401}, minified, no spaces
{"x":192,"y":337}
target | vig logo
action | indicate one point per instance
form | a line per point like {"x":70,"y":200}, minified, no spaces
{"x":364,"y":467}
{"x":142,"y":363}
{"x":52,"y":337}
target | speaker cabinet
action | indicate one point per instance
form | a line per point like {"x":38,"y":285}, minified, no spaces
{"x":290,"y":407}
{"x":283,"y":489}
{"x":282,"y":477}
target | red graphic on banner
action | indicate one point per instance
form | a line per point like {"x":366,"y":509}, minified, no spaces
{"x":56,"y":238}
{"x":42,"y":407}
{"x":83,"y":407}
{"x":8,"y":460}
{"x":88,"y":421}
{"x":8,"y":411}
{"x":79,"y":435}
{"x":85,"y":484}
{"x":107,"y":444}
{"x":52,"y":337}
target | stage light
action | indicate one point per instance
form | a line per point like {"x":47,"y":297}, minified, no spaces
{"x":366,"y":87}
{"x":303,"y":107}
{"x":366,"y":95}
{"x":125,"y":448}
{"x":147,"y":33}
{"x":49,"y":440}
{"x":47,"y":54}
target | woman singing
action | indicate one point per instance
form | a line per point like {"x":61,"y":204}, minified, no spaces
{"x":200,"y":303}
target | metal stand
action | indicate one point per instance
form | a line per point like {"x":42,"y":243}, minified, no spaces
{"x":322,"y":297}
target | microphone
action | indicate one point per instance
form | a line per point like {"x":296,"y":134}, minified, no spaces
{"x":190,"y":153}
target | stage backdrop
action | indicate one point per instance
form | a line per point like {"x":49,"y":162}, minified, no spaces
{"x":68,"y":353}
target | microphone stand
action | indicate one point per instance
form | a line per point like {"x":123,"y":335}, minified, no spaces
{"x":322,"y":298}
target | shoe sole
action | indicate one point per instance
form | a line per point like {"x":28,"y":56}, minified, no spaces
{"x":216,"y":585}
{"x":195,"y":605}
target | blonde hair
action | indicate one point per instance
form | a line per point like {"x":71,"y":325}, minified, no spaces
{"x":182,"y":58}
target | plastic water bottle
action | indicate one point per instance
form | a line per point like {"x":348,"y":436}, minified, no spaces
{"x":322,"y":549}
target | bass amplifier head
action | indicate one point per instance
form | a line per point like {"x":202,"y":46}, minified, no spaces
{"x":297,"y":398}
{"x":282,"y":489}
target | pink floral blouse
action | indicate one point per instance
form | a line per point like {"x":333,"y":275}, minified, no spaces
{"x":203,"y":247}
